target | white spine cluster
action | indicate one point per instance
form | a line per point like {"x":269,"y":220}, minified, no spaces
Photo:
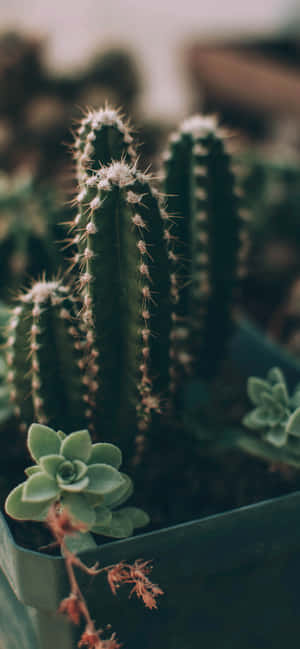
{"x":90,"y":126}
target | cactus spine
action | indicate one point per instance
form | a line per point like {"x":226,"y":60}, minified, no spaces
{"x":209,"y":237}
{"x":125,"y":287}
{"x":45,"y":356}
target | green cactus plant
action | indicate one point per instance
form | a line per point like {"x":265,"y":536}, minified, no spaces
{"x":125,"y":287}
{"x":73,"y":473}
{"x":152,"y":282}
{"x":45,"y":356}
{"x":121,"y":339}
{"x":209,"y":240}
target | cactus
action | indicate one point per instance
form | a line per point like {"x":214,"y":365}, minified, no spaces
{"x":125,"y":287}
{"x":209,"y":238}
{"x":120,"y":342}
{"x":146,"y":285}
{"x":45,"y":355}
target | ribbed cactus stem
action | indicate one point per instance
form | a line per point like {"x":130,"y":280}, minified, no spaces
{"x":125,"y":287}
{"x":209,"y":236}
{"x":103,"y":136}
{"x":46,"y":357}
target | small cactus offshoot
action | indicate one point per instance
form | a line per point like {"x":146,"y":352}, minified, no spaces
{"x":45,"y":356}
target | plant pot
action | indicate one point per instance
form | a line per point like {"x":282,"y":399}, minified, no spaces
{"x":253,"y":353}
{"x":230,"y":581}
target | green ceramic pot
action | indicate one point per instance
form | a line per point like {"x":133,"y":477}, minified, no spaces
{"x":230,"y":581}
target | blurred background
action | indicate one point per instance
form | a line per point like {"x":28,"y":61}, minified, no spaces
{"x":159,"y":61}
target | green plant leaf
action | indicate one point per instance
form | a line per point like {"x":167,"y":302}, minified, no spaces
{"x":120,"y":526}
{"x":50,"y":463}
{"x":94,"y":499}
{"x":119,"y":495}
{"x":295,"y":400}
{"x":280,"y":392}
{"x":255,"y":419}
{"x":79,"y":508}
{"x":138,"y":517}
{"x":17,"y":508}
{"x":80,"y":542}
{"x":103,"y":479}
{"x":73,"y":487}
{"x":77,"y":446}
{"x":81,"y":468}
{"x":277,"y":436}
{"x":103,"y":516}
{"x":293,"y":424}
{"x":267,"y":400}
{"x":42,"y":440}
{"x":40,"y":488}
{"x":255,"y":388}
{"x":105,"y":453}
{"x":31,"y":470}
{"x":275,"y":375}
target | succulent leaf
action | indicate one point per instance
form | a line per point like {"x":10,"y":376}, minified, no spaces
{"x":105,"y":453}
{"x":40,"y":488}
{"x":50,"y":464}
{"x":103,"y":479}
{"x":17,"y":508}
{"x":277,"y":436}
{"x":79,"y":508}
{"x":80,"y":542}
{"x":77,"y":446}
{"x":255,"y":388}
{"x":42,"y":440}
{"x":293,"y":424}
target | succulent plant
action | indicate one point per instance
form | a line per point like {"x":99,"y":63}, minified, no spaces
{"x":75,"y":474}
{"x":276,"y":413}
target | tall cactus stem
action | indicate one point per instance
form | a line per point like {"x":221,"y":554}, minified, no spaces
{"x":125,"y":288}
{"x":202,"y":192}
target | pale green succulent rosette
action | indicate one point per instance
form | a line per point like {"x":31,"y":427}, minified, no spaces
{"x":276,"y":413}
{"x":79,"y":475}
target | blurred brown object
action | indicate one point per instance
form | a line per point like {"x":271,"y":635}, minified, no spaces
{"x":250,"y":84}
{"x":20,"y":71}
{"x":38,"y":109}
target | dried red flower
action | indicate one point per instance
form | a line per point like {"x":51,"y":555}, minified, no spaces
{"x":135,"y":574}
{"x":116,"y":575}
{"x":70,"y":606}
{"x":93,"y":640}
